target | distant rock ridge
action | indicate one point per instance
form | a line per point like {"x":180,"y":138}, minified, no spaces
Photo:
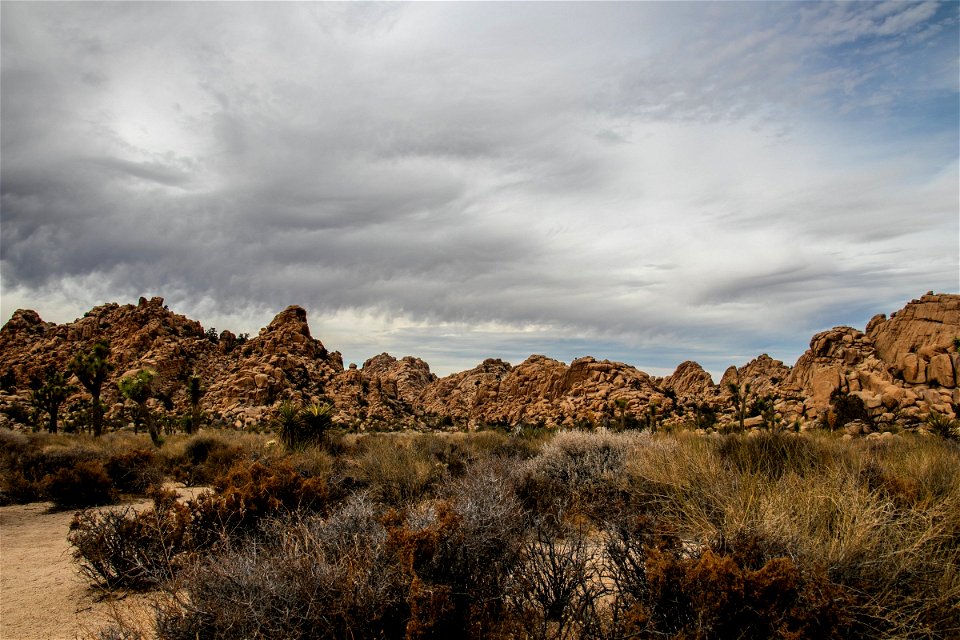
{"x":903,"y":366}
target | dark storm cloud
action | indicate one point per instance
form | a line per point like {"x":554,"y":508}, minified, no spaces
{"x":568,"y":174}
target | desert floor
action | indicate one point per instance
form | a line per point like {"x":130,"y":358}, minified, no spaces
{"x":42,"y":595}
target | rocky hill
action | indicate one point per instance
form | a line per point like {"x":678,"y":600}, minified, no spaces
{"x":901,"y":368}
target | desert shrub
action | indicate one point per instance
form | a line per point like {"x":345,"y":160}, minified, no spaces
{"x":459,"y":553}
{"x":943,"y":425}
{"x":249,"y":493}
{"x":599,"y":535}
{"x":119,"y":631}
{"x":134,"y":471}
{"x":301,"y":427}
{"x":15,"y":488}
{"x":576,"y":469}
{"x":502,"y":444}
{"x":307,"y":577}
{"x":556,"y":589}
{"x":393,"y":471}
{"x":32,"y":465}
{"x":771,"y":454}
{"x":312,"y":463}
{"x":124,"y":548}
{"x":453,"y":455}
{"x":84,"y":484}
{"x":662,"y":589}
{"x":202,"y":458}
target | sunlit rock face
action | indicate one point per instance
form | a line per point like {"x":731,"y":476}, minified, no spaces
{"x":906,"y":365}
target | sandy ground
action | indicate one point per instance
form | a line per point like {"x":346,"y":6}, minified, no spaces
{"x":42,"y":595}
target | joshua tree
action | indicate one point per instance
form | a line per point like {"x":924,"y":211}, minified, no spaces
{"x":766,"y":409}
{"x":195,"y":391}
{"x":621,"y":405}
{"x":139,"y":388}
{"x":91,"y":368}
{"x":739,"y":395}
{"x":49,"y":395}
{"x":652,"y":417}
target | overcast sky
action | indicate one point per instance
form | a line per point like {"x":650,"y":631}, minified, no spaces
{"x":645,"y":182}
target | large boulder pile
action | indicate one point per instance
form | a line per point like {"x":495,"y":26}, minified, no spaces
{"x":543,"y":391}
{"x":239,"y":380}
{"x":383,"y":393}
{"x":901,"y":368}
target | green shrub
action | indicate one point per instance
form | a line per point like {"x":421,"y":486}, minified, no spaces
{"x":943,"y":425}
{"x":301,"y":427}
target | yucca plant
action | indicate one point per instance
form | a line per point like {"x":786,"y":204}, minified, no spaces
{"x":943,"y":425}
{"x":301,"y":427}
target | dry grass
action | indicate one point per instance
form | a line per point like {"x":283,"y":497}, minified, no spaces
{"x":596,"y":535}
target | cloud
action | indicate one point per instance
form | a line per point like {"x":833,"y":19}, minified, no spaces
{"x":650,"y":178}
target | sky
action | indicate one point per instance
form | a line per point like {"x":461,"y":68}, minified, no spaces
{"x":644,"y":182}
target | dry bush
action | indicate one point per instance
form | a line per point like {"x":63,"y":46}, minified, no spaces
{"x":307,"y":577}
{"x":875,"y":523}
{"x":557,"y":588}
{"x":85,"y":484}
{"x":460,"y":553}
{"x":38,"y":466}
{"x":47,"y":467}
{"x":393,"y":471}
{"x":493,"y":442}
{"x":773,"y":454}
{"x":312,"y":462}
{"x":134,"y":471}
{"x":599,"y":535}
{"x":123,"y":548}
{"x":577,"y":471}
{"x":137,"y":550}
{"x":451,"y":453}
{"x":199,"y":459}
{"x":249,"y":493}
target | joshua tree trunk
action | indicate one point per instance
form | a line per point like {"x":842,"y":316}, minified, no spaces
{"x":96,"y":414}
{"x":54,"y":413}
{"x":152,"y":428}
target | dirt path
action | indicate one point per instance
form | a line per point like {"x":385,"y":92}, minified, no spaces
{"x":41,"y":593}
{"x":42,"y":596}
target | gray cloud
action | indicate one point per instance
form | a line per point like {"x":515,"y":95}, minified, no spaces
{"x":628,"y":176}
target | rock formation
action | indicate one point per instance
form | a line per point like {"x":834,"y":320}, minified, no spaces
{"x":904,"y":366}
{"x":901,"y":368}
{"x":542,"y":391}
{"x":689,"y":379}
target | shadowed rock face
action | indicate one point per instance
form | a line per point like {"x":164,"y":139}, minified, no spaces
{"x":905,"y":365}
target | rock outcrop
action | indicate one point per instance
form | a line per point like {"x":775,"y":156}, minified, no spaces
{"x":384,"y":392}
{"x":688,"y":380}
{"x":901,"y":368}
{"x":283,"y":362}
{"x":543,"y":391}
